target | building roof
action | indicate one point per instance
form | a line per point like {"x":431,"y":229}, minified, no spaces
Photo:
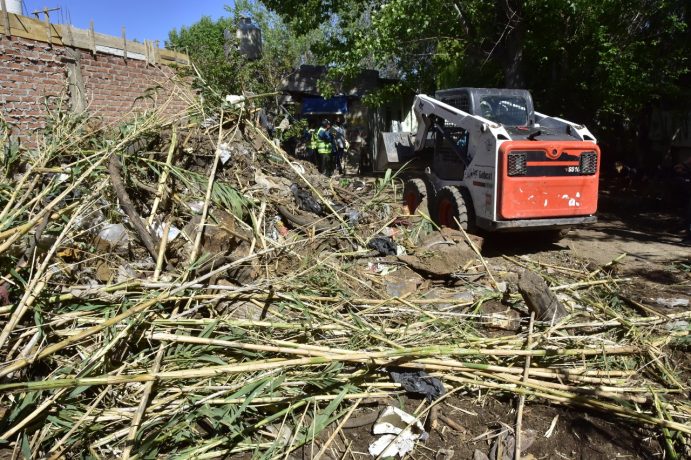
{"x":304,"y":82}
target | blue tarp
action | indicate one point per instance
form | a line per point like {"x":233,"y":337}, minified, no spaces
{"x":319,"y":105}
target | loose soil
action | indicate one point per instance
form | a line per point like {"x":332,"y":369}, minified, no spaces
{"x":659,"y":267}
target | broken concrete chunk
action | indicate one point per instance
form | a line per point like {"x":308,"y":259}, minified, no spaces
{"x":441,"y":260}
{"x":402,"y":282}
{"x":539,"y":298}
{"x":496,"y":315}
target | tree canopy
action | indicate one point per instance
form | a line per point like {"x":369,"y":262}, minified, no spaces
{"x":599,"y":61}
{"x":223,"y":69}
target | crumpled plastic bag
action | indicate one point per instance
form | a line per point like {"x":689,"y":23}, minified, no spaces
{"x":305,"y":200}
{"x":418,"y":382}
{"x":384,"y":245}
{"x":400,"y":431}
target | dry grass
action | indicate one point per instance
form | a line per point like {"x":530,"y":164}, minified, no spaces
{"x":189,"y":367}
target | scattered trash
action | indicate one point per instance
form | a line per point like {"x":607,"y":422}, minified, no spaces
{"x":678,"y":326}
{"x":400,"y":431}
{"x":265,"y":182}
{"x":672,"y":303}
{"x":225,"y":153}
{"x":418,"y":382}
{"x":384,"y":245}
{"x":305,"y":200}
{"x":353,"y":217}
{"x":173,"y":232}
{"x":358,"y":185}
{"x":113,"y":237}
{"x":298,"y":167}
{"x":504,"y":444}
{"x":381,"y":269}
{"x":196,"y":206}
{"x":281,"y":228}
{"x":236,"y":100}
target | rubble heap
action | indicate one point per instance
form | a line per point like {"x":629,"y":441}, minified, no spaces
{"x":185,"y":288}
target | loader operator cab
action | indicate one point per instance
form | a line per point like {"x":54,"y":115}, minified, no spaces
{"x":509,"y":107}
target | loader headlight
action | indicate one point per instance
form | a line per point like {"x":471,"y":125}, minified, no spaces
{"x":588,"y":163}
{"x":517,"y":164}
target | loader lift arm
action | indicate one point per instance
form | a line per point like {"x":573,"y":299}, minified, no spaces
{"x":427,"y":110}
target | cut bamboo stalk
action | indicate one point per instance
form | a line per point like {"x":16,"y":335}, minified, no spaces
{"x":285,"y":158}
{"x":161,"y":251}
{"x":139,"y":414}
{"x":207,"y":198}
{"x":521,"y":398}
{"x":163,"y":179}
{"x":38,"y":281}
{"x":137,"y":309}
{"x":260,"y":365}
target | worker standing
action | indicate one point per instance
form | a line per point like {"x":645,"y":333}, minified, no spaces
{"x":312,"y":145}
{"x":340,"y":139}
{"x":325,"y":149}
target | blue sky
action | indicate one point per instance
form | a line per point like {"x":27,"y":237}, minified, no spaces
{"x":143,"y":19}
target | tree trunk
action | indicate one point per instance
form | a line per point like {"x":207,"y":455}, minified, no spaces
{"x":514,"y":27}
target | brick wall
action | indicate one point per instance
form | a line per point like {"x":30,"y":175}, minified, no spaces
{"x":31,"y":71}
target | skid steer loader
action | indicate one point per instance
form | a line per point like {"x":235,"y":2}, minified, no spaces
{"x":494,"y":163}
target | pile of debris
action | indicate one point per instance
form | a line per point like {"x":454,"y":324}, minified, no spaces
{"x":187,"y":289}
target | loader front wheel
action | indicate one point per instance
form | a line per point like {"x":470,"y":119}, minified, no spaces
{"x":415,"y":196}
{"x":454,"y":208}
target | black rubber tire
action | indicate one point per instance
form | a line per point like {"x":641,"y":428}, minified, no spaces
{"x":453,"y":204}
{"x":416,"y":196}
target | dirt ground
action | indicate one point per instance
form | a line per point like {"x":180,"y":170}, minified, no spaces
{"x":658,"y":267}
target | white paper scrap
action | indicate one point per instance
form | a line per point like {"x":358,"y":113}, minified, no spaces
{"x":400,"y":431}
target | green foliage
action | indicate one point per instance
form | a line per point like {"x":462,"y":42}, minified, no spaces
{"x":9,"y":149}
{"x":600,"y":63}
{"x":222,"y":70}
{"x":296,"y":130}
{"x":204,"y":42}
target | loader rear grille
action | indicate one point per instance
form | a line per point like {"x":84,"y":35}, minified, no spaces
{"x":588,"y":163}
{"x":517,"y":164}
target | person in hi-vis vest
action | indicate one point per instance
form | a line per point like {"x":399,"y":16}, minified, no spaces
{"x":325,"y":149}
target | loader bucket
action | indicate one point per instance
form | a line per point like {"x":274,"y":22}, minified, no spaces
{"x":393,"y":151}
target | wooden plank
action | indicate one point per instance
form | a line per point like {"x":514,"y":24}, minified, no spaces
{"x":70,"y":37}
{"x":24,"y":27}
{"x":89,"y":39}
{"x":48,"y":27}
{"x":92,"y":34}
{"x":7,"y":30}
{"x":124,"y":42}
